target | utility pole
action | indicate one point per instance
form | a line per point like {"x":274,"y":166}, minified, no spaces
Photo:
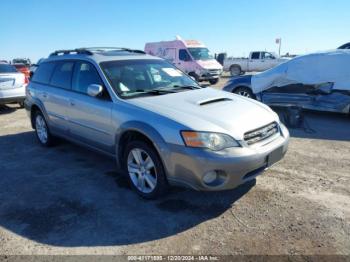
{"x":279,"y":42}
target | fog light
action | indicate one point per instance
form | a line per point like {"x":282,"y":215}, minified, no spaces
{"x":210,"y":177}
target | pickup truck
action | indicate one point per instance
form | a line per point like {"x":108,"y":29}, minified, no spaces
{"x":258,"y":61}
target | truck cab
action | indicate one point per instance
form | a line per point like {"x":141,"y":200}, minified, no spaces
{"x":257,"y":61}
{"x":190,"y":56}
{"x":261,"y":61}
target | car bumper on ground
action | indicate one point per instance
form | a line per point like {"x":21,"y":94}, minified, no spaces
{"x":233,"y":167}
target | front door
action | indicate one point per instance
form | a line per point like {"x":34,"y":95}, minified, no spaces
{"x":184,"y":62}
{"x":90,"y":117}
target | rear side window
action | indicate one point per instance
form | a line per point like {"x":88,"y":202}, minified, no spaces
{"x":85,"y":74}
{"x":43,"y":73}
{"x":255,"y":55}
{"x":5,"y":68}
{"x":62,"y":75}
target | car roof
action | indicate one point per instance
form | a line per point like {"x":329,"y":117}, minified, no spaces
{"x":99,"y":55}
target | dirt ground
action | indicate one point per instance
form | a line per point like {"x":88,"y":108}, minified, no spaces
{"x":69,"y":200}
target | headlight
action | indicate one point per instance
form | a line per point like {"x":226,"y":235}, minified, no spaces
{"x":213,"y":141}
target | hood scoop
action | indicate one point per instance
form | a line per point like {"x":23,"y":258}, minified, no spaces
{"x":214,"y":100}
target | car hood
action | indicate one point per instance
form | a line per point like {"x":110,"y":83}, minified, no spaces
{"x":212,"y":110}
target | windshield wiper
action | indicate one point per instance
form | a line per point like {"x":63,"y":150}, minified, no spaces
{"x":188,"y":87}
{"x":152,"y":92}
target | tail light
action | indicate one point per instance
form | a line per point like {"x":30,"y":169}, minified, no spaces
{"x":26,"y":80}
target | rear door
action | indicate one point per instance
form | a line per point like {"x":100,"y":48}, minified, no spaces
{"x":90,"y":117}
{"x":169,"y":54}
{"x":255,"y":62}
{"x":52,"y":84}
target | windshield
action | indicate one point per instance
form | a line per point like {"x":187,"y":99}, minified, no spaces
{"x":130,"y":78}
{"x":200,"y":53}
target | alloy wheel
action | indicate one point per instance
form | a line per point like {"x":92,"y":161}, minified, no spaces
{"x":142,"y":170}
{"x":41,"y":129}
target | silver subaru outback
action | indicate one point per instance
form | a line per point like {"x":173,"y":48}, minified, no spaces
{"x":160,"y":125}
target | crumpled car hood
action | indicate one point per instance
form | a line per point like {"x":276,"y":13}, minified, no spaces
{"x":311,"y":69}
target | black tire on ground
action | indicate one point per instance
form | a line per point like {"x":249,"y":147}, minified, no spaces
{"x":214,"y":81}
{"x":157,"y":172}
{"x":235,"y":70}
{"x":40,"y":125}
{"x":194,"y":75}
{"x":244,"y":91}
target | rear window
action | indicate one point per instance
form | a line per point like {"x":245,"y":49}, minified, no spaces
{"x":20,"y":66}
{"x":4,"y":68}
{"x":43,"y":73}
{"x":62,"y":76}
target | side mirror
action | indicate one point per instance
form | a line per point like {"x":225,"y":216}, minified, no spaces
{"x":94,"y":90}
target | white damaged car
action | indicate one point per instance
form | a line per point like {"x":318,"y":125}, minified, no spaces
{"x":318,"y":81}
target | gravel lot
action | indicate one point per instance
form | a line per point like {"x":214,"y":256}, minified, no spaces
{"x":68,"y":200}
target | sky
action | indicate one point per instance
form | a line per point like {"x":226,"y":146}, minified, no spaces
{"x":35,"y":28}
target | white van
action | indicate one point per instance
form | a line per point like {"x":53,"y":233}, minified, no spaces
{"x":191,"y":56}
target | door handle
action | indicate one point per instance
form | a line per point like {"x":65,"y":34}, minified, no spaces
{"x":71,"y":102}
{"x":44,"y":95}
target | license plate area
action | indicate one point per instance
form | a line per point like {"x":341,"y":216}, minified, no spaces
{"x":7,"y":83}
{"x":275,"y":156}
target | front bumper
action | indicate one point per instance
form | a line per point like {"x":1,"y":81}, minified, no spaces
{"x":208,"y":77}
{"x":209,"y":74}
{"x":187,"y":166}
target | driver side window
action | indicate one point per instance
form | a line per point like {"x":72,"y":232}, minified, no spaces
{"x":268,"y":56}
{"x":183,"y":55}
{"x":85,"y":74}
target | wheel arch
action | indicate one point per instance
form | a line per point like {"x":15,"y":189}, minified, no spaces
{"x":236,"y":65}
{"x":241,"y":86}
{"x":141,"y":131}
{"x":37,"y":106}
{"x":254,"y":96}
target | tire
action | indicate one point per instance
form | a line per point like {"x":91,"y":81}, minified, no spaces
{"x":144,"y":169}
{"x":21,"y":104}
{"x":235,"y":70}
{"x":194,"y":75}
{"x":214,"y":81}
{"x":41,"y":130}
{"x":244,"y":91}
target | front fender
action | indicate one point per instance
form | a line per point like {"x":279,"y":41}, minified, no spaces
{"x":147,"y":130}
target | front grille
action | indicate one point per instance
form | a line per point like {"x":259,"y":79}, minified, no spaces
{"x":261,"y":133}
{"x":214,"y":71}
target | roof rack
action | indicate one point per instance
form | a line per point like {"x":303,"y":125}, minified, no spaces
{"x":108,"y":49}
{"x":70,"y":51}
{"x":92,"y":50}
